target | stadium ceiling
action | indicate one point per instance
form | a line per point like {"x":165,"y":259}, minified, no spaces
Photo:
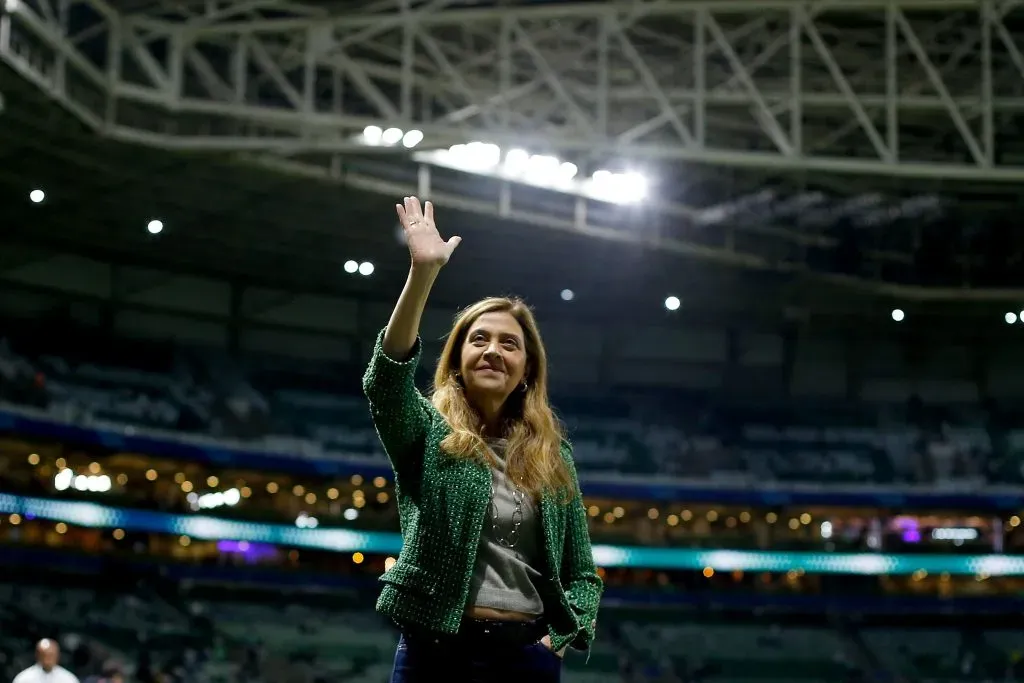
{"x":760,"y":123}
{"x":900,"y":88}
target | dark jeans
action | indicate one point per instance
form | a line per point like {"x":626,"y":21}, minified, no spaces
{"x":422,"y":659}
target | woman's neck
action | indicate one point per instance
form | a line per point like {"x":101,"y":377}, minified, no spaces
{"x":491,"y":415}
{"x":493,"y":429}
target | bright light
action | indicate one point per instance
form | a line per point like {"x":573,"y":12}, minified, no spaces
{"x":36,"y":196}
{"x":543,"y":169}
{"x":304,"y":521}
{"x":898,"y":315}
{"x":619,"y":188}
{"x":375,"y":136}
{"x":826,"y":529}
{"x":209,"y":501}
{"x":672,"y":303}
{"x":475,"y":156}
{"x":155,"y":227}
{"x":62,"y":481}
{"x":539,"y":170}
{"x":66,"y":479}
{"x":1010,"y":318}
{"x":351,"y":266}
{"x":412,"y":138}
{"x":954,"y":534}
{"x":366,"y":268}
{"x":516,"y":161}
{"x":351,"y":514}
{"x":549,"y":171}
{"x":567,"y":295}
{"x":372,"y":135}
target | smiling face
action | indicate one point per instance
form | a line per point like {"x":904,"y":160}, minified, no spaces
{"x":493,"y":359}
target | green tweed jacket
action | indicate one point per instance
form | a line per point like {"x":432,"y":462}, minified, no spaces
{"x":442,"y":504}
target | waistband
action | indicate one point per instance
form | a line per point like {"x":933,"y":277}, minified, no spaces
{"x":485,"y":632}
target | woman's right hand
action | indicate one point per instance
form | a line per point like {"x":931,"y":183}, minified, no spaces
{"x":426,"y":246}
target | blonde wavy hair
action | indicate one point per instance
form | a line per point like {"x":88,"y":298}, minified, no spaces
{"x":534,"y":435}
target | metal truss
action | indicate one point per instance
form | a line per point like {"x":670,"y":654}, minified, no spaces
{"x":906,"y":88}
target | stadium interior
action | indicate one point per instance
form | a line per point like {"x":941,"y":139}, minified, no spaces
{"x":772,"y":247}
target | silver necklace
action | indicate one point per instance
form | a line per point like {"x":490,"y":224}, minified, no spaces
{"x":518,"y":497}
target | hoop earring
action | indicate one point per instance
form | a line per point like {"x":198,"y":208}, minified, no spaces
{"x":524,"y":387}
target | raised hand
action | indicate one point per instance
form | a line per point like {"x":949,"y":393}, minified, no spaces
{"x":426,"y":246}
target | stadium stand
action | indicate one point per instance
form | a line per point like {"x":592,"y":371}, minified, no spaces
{"x":215,"y":633}
{"x":127,"y":384}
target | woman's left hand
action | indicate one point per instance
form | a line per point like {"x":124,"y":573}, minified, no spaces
{"x":546,"y":640}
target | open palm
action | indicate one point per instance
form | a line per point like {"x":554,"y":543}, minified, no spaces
{"x":426,"y":246}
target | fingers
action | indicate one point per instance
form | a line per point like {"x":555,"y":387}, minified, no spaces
{"x":414,"y":210}
{"x":412,"y":207}
{"x":452,"y":243}
{"x":409,"y":211}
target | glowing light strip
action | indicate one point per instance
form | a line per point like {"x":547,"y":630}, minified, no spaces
{"x":210,"y":528}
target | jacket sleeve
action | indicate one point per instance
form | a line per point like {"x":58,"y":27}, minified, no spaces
{"x":579,"y":574}
{"x":401,"y":414}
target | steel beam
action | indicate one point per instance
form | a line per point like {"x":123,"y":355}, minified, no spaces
{"x":900,"y":88}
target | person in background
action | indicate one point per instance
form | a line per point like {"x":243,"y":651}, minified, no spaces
{"x":496,"y":575}
{"x":47,"y":668}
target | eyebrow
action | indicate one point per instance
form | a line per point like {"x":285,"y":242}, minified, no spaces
{"x":484,"y":330}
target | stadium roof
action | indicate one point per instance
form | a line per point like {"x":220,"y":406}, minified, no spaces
{"x":242,"y":125}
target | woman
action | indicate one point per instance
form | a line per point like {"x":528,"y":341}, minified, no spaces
{"x":496,"y":577}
